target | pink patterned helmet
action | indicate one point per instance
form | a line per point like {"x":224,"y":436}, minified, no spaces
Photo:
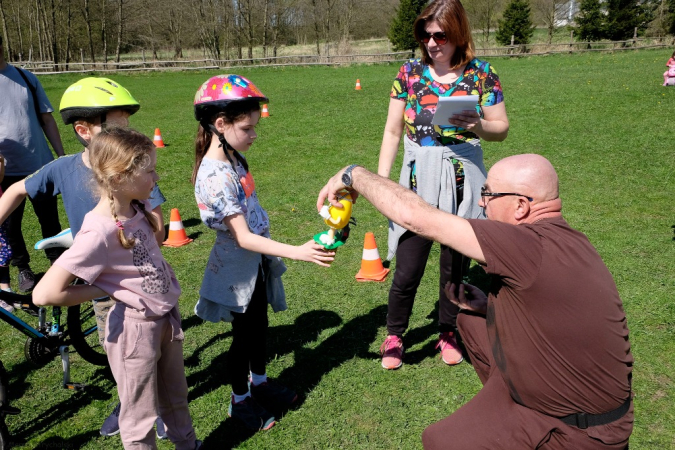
{"x":217,"y":92}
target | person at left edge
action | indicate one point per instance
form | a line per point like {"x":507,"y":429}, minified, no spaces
{"x":25,"y":120}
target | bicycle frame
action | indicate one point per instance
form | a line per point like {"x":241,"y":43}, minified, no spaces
{"x":49,"y":336}
{"x":20,"y":325}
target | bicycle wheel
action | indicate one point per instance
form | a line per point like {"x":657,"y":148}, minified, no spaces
{"x":83,"y":333}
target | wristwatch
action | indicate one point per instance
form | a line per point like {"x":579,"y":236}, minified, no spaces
{"x":347,"y":175}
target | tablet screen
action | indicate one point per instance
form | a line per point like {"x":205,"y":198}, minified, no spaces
{"x":447,"y":106}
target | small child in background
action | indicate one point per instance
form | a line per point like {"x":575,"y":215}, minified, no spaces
{"x":243,"y":272}
{"x":5,"y":250}
{"x":117,"y":254}
{"x":669,"y":74}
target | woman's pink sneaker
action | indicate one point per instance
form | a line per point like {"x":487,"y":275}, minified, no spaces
{"x":392,"y":352}
{"x":450,"y":351}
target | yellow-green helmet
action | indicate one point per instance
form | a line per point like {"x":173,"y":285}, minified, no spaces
{"x":93,"y":97}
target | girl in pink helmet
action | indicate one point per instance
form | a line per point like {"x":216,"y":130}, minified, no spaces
{"x":243,"y":274}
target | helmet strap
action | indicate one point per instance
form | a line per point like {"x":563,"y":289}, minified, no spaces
{"x":223,"y":142}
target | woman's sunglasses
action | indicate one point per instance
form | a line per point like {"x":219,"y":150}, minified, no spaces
{"x":439,"y":37}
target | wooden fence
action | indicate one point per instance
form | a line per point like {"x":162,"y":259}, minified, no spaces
{"x":48,"y":67}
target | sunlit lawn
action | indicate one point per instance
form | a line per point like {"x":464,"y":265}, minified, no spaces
{"x":602,"y":119}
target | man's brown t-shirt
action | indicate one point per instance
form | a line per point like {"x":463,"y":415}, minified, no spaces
{"x":555,"y":320}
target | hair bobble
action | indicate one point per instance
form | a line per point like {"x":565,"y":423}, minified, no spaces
{"x":119,"y":225}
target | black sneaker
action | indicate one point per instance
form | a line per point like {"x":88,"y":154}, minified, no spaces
{"x":273,"y":396}
{"x":254,"y":416}
{"x":26,"y":280}
{"x":111,"y":425}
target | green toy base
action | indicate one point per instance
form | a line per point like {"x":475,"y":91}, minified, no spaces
{"x":339,"y":240}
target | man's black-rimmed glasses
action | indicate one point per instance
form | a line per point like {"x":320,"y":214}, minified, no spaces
{"x":484,"y":193}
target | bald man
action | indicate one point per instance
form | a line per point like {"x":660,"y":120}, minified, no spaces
{"x":550,"y":341}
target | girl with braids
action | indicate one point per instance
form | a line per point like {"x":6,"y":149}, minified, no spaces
{"x":116,"y":254}
{"x":244,"y":269}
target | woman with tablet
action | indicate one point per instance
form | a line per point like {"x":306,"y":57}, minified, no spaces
{"x":442,"y":163}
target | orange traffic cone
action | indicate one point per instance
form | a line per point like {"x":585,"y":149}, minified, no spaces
{"x":159,"y":142}
{"x":358,"y":85}
{"x":265,"y":111}
{"x":177,"y":235}
{"x":371,"y":264}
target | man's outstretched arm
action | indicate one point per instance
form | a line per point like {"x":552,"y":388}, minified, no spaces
{"x":407,"y":209}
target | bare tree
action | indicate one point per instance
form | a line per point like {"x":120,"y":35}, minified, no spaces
{"x":52,"y":35}
{"x":7,"y":43}
{"x":69,"y":32}
{"x":87,"y":23}
{"x":210,"y":17}
{"x":104,"y":37}
{"x":551,"y":13}
{"x":175,"y":30}
{"x":483,"y":15}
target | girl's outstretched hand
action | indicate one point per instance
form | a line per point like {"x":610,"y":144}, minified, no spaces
{"x":310,"y":251}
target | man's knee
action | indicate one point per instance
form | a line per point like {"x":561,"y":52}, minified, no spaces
{"x":436,"y":436}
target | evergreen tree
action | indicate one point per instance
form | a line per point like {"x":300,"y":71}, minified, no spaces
{"x":517,"y":22}
{"x":623,"y":16}
{"x":401,"y":33}
{"x":589,"y":21}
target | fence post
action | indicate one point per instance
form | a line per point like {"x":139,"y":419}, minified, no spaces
{"x":513,"y":39}
{"x":635,"y":37}
{"x":143,"y":56}
{"x":571,"y":39}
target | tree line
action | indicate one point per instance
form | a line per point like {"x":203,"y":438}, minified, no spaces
{"x":513,"y":21}
{"x":65,"y":31}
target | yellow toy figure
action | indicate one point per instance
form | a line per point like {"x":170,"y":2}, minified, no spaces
{"x":338,"y":219}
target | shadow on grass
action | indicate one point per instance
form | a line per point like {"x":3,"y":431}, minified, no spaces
{"x":186,"y":224}
{"x":228,"y":435}
{"x":17,"y":386}
{"x":192,"y":222}
{"x":353,"y":339}
{"x":215,"y":374}
{"x":281,"y":340}
{"x":63,"y":411}
{"x":73,"y":442}
{"x":192,"y":321}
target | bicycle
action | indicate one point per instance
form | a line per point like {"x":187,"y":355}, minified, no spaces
{"x":50,"y":338}
{"x":53,"y":337}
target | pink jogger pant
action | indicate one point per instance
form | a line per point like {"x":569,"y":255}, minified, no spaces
{"x":146,"y":359}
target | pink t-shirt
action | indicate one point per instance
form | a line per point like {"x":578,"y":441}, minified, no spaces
{"x":140,"y":277}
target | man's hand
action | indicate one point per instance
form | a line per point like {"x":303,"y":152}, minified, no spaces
{"x":331,"y":189}
{"x":469,"y":298}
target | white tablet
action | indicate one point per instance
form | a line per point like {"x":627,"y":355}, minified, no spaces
{"x":448,"y":106}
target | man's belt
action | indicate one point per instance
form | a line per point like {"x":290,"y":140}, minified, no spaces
{"x":583,"y":420}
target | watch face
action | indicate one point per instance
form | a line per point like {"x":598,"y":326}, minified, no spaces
{"x":346,"y":179}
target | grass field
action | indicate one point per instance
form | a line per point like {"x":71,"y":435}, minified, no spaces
{"x":603,"y":120}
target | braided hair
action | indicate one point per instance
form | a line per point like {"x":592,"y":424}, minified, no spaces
{"x":116,"y":155}
{"x":230,"y":114}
